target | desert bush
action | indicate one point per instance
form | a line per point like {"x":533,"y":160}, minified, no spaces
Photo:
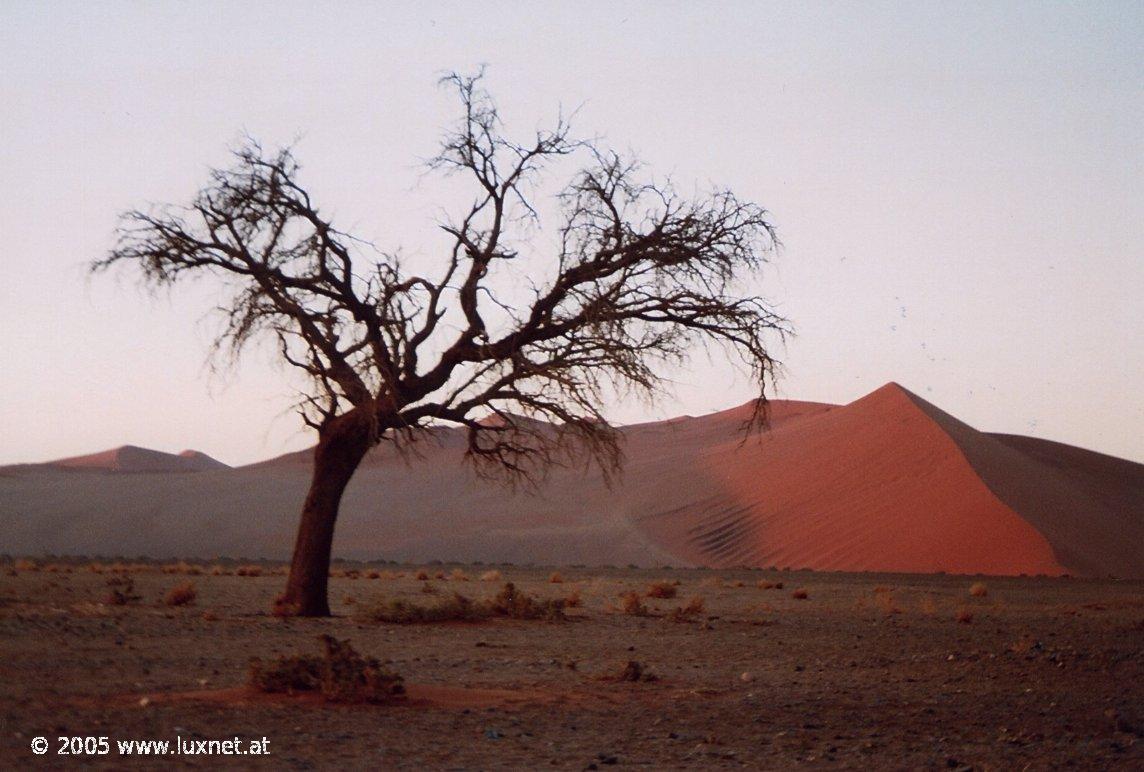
{"x":885,"y":602}
{"x":689,"y":610}
{"x":800,"y":594}
{"x":95,"y":568}
{"x":964,"y":616}
{"x":217,"y":570}
{"x":428,"y":589}
{"x":181,"y":595}
{"x":735,"y":583}
{"x":439,"y":575}
{"x":573,"y":599}
{"x":509,"y":602}
{"x":121,"y":592}
{"x":631,"y":672}
{"x":458,"y":575}
{"x":631,"y":604}
{"x":491,"y":576}
{"x":662,"y":589}
{"x":928,"y":605}
{"x":26,"y":565}
{"x":340,"y":675}
{"x":555,"y":578}
{"x":421,"y":575}
{"x":248,"y":571}
{"x":458,"y":608}
{"x":766,"y":584}
{"x":373,"y":575}
{"x":512,"y":603}
{"x":978,"y":590}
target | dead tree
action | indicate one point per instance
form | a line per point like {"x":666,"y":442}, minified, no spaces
{"x":637,"y":277}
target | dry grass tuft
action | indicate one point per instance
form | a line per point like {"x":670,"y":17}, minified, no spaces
{"x":459,"y":576}
{"x":248,"y":571}
{"x":694,"y":606}
{"x":662,"y":589}
{"x":25,"y":565}
{"x":121,"y":592}
{"x":373,"y":575}
{"x":573,"y":599}
{"x":181,"y":594}
{"x":340,"y":675}
{"x":885,"y":602}
{"x":555,"y":578}
{"x":491,"y":576}
{"x":509,"y":602}
{"x":632,"y":604}
{"x":764,"y":584}
{"x":439,"y":575}
{"x":631,"y":672}
{"x":964,"y":616}
{"x":800,"y":594}
{"x":978,"y":590}
{"x":421,"y":575}
{"x":928,"y":605}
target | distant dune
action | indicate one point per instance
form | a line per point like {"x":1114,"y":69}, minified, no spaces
{"x":888,"y":482}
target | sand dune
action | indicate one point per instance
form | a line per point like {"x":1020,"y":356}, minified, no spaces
{"x":886,"y":483}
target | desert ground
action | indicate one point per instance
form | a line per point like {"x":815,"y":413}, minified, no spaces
{"x":865,"y":671}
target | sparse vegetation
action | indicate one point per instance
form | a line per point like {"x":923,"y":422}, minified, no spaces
{"x":181,"y":595}
{"x":121,"y":592}
{"x":978,"y":590}
{"x":632,"y":604}
{"x":573,"y":599}
{"x":766,"y":584}
{"x":340,"y":675}
{"x":631,"y":672}
{"x":458,"y":575}
{"x":422,"y":575}
{"x":800,"y":594}
{"x":694,"y":606}
{"x":248,"y":571}
{"x":555,"y":578}
{"x":964,"y":616}
{"x":509,"y":603}
{"x":662,"y":589}
{"x":491,"y":576}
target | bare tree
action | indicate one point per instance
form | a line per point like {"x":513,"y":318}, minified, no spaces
{"x":640,"y":275}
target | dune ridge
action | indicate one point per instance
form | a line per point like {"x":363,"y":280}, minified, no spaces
{"x":888,"y":482}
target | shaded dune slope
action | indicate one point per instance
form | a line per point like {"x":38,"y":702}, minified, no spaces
{"x":873,"y":485}
{"x":886,"y":483}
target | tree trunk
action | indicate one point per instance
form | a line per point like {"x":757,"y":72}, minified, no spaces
{"x":342,"y":444}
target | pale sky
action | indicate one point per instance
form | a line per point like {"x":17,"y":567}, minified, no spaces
{"x":959,"y":187}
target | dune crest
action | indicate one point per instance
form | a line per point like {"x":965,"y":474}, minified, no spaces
{"x":888,"y":482}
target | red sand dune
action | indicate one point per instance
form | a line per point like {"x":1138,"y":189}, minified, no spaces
{"x":886,"y":483}
{"x":129,"y":458}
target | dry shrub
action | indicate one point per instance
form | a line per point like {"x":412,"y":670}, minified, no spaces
{"x":181,"y":594}
{"x":373,"y":575}
{"x":964,"y":616}
{"x":249,"y":571}
{"x":95,"y":568}
{"x":713,"y":581}
{"x":736,"y":583}
{"x":283,"y":608}
{"x":573,"y":599}
{"x":928,"y":605}
{"x":217,"y":570}
{"x":689,"y":610}
{"x":421,"y":575}
{"x":352,"y":573}
{"x":458,"y":575}
{"x":25,"y":565}
{"x":662,"y":589}
{"x":509,"y":602}
{"x":458,"y":608}
{"x":439,"y":575}
{"x":881,"y":588}
{"x":978,"y":590}
{"x":514,"y":604}
{"x":800,"y":594}
{"x":631,"y":604}
{"x":555,"y":578}
{"x":885,"y":602}
{"x":631,"y":672}
{"x":340,"y":675}
{"x":764,"y":584}
{"x":428,"y":589}
{"x":491,"y":576}
{"x":348,"y":600}
{"x":121,"y":592}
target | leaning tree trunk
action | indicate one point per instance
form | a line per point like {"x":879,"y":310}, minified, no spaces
{"x":342,"y":444}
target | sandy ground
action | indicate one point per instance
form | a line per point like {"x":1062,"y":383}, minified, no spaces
{"x":869,"y":671}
